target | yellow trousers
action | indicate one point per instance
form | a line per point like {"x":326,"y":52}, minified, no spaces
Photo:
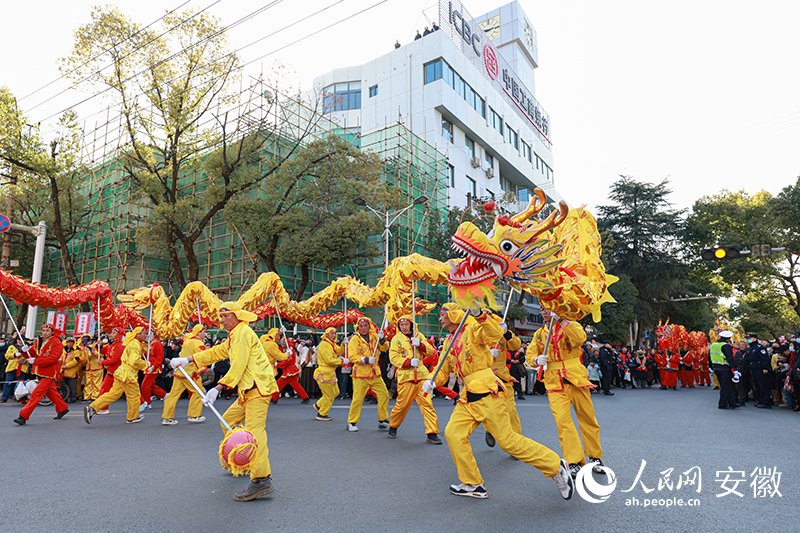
{"x":91,"y":388}
{"x":131,"y":391}
{"x":329,"y":393}
{"x":407,"y":394}
{"x":195,"y":403}
{"x":492,"y":412}
{"x":716,"y":381}
{"x":360,"y":388}
{"x":253,"y":410}
{"x":511,"y":405}
{"x":581,"y":401}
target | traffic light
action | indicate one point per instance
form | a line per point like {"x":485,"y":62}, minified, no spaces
{"x":722,"y":252}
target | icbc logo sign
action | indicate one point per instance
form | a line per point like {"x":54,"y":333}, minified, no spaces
{"x":490,"y":60}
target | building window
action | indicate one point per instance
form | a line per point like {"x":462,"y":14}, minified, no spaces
{"x":490,"y":194}
{"x":513,"y":138}
{"x":373,"y":91}
{"x":471,"y":187}
{"x":452,"y":170}
{"x":469,"y":144}
{"x":505,"y":185}
{"x":439,"y":69}
{"x":523,"y":195}
{"x":447,"y":130}
{"x":495,"y":121}
{"x":489,"y":161}
{"x":526,"y":151}
{"x":342,"y":96}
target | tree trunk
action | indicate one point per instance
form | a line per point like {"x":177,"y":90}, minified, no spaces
{"x":304,"y":277}
{"x":269,"y":254}
{"x":173,"y":257}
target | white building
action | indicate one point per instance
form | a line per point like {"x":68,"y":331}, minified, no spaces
{"x":468,"y":92}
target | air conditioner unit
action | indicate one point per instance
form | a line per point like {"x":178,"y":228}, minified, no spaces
{"x":476,"y":162}
{"x":489,"y":173}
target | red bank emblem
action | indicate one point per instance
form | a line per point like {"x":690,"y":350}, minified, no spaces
{"x":490,"y":60}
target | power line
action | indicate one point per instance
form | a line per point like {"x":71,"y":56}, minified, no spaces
{"x":98,"y":55}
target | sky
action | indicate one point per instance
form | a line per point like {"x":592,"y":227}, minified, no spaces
{"x":702,"y":93}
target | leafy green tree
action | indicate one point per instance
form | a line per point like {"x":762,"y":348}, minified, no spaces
{"x":305,"y":214}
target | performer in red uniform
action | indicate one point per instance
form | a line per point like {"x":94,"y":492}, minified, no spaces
{"x":149,"y":386}
{"x":673,"y":365}
{"x":705,"y":377}
{"x":291,"y":373}
{"x":661,"y":363}
{"x":686,"y":372}
{"x":46,"y":364}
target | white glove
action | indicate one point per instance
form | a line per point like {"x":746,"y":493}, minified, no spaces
{"x":178,"y":361}
{"x":415,"y":362}
{"x":495,"y":352}
{"x":211,"y":396}
{"x":504,"y":326}
{"x":381,"y":334}
{"x":345,"y":361}
{"x":540,"y":360}
{"x":24,"y":348}
{"x":736,"y":376}
{"x":371,"y":360}
{"x":282,"y":330}
{"x":365,"y":360}
{"x":415,"y":342}
{"x":346,"y":341}
{"x":428,"y":386}
{"x":31,"y":360}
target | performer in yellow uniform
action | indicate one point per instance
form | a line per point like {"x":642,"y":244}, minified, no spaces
{"x":126,"y":379}
{"x":410,"y":375}
{"x":329,"y":356}
{"x":471,"y":360}
{"x":70,"y":364}
{"x":271,"y":343}
{"x":568,"y":385}
{"x":192,"y":343}
{"x":252,"y":375}
{"x":92,"y":369}
{"x":509,"y":343}
{"x":361,"y":351}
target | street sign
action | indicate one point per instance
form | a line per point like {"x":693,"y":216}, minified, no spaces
{"x":4,"y":223}
{"x":760,"y":250}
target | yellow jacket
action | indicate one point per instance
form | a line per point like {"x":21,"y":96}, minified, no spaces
{"x":14,"y":356}
{"x":328,"y":358}
{"x":250,"y":365}
{"x":191,"y":347}
{"x":564,"y":357}
{"x":499,"y":365}
{"x":359,"y":347}
{"x":268,"y":341}
{"x":130,"y":363}
{"x":90,"y":359}
{"x":401,"y":352}
{"x":471,"y":358}
{"x":70,"y":363}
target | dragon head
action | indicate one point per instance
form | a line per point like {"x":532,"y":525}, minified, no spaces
{"x":514,"y":251}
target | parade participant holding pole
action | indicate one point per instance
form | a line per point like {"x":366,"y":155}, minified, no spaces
{"x":112,"y":353}
{"x":155,"y":360}
{"x":46,"y":364}
{"x":467,"y":353}
{"x":405,"y":353}
{"x":253,"y":377}
{"x":290,"y":374}
{"x":192,"y":343}
{"x":93,"y":369}
{"x":362,"y":352}
{"x":329,"y":356}
{"x":70,"y":364}
{"x":271,"y":343}
{"x":568,"y":386}
{"x":126,"y":379}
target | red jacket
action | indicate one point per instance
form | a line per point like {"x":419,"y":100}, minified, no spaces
{"x":674,"y":361}
{"x":113,"y":353}
{"x":156,"y":360}
{"x":48,"y":361}
{"x":289,"y":365}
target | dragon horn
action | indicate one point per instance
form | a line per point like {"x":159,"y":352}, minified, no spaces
{"x":555,"y":218}
{"x":534,"y":206}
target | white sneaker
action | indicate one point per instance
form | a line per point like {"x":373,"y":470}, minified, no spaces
{"x":103,"y":412}
{"x":165,"y":397}
{"x":475,"y":491}
{"x":383,"y":426}
{"x":135,"y":420}
{"x":351,"y":427}
{"x":142,"y":407}
{"x":564,"y":480}
{"x":197,"y":419}
{"x":169,"y":422}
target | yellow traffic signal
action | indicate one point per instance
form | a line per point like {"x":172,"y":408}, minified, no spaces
{"x":721,"y":252}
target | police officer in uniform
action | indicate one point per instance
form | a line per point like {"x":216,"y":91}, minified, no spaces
{"x":722,"y":361}
{"x":757,"y":360}
{"x":608,"y":365}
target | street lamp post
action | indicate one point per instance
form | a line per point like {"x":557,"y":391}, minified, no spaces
{"x":385,"y":216}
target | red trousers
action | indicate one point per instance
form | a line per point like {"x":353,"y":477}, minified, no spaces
{"x":290,"y":380}
{"x":687,"y":377}
{"x":703,"y":377}
{"x":108,"y":382}
{"x":669,"y":378}
{"x":46,"y":387}
{"x":149,"y":388}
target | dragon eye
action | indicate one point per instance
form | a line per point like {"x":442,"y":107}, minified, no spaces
{"x":508,"y":247}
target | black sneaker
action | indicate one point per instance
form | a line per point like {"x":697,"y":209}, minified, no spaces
{"x":135,"y":420}
{"x":574,"y":468}
{"x":433,"y":438}
{"x":474,"y":491}
{"x":596,"y":468}
{"x":21,"y":421}
{"x":88,"y":413}
{"x":315,"y":407}
{"x":306,"y":401}
{"x":324,"y":418}
{"x":60,"y":415}
{"x":490,"y":442}
{"x":258,"y":488}
{"x":392,"y":433}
